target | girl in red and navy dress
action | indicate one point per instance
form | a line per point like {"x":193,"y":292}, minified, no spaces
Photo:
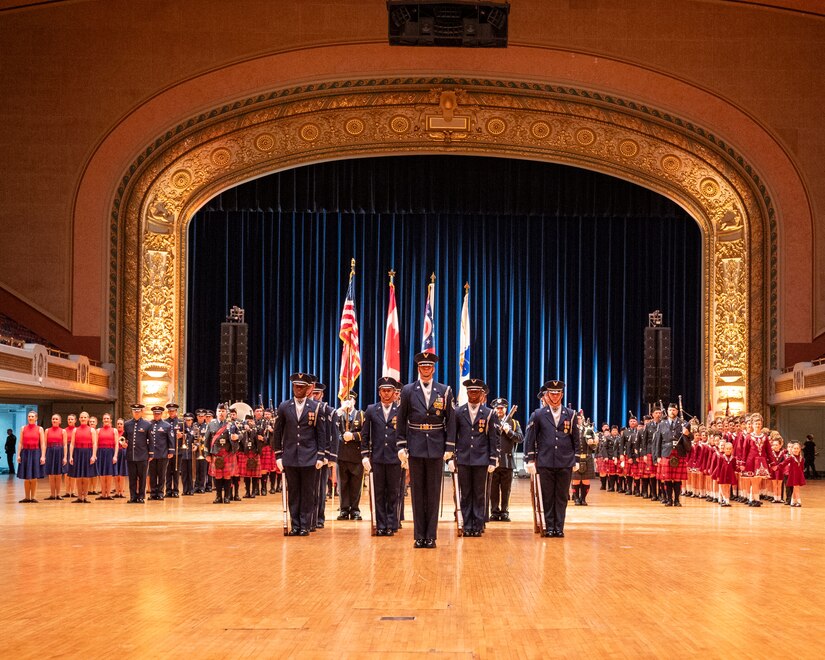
{"x":726,"y":474}
{"x":106,"y":456}
{"x":31,"y":456}
{"x":756,"y":460}
{"x":776,"y":457}
{"x":71,"y":425}
{"x":56,"y":456}
{"x":82,"y":457}
{"x":795,"y":469}
{"x":122,"y":471}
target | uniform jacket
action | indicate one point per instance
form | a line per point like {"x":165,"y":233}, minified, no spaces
{"x":353,"y":422}
{"x":552,"y":445}
{"x":476,"y":442}
{"x":507,"y":442}
{"x":669,"y":437}
{"x":138,"y":441}
{"x":378,"y":437}
{"x":426,"y":431}
{"x":300,"y":442}
{"x":163,"y":438}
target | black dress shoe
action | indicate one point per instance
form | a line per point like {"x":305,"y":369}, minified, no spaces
{"x":380,"y":532}
{"x":559,"y":534}
{"x":495,"y":516}
{"x":430,"y":543}
{"x":548,"y":533}
{"x":236,"y":498}
{"x":319,"y":524}
{"x":343,"y":516}
{"x":132,"y":501}
{"x":227,"y":500}
{"x":294,"y":532}
{"x":303,"y":532}
{"x":504,"y":517}
{"x":217,"y":500}
{"x":420,"y":543}
{"x":355,"y":515}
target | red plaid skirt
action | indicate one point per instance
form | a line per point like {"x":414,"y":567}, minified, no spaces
{"x":645,"y":469}
{"x":673,"y":472}
{"x":267,"y":459}
{"x":600,"y":465}
{"x":609,"y":466}
{"x":228,"y":466}
{"x":243,"y":470}
{"x":635,"y":469}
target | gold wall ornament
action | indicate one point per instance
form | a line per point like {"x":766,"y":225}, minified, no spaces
{"x":348,"y":119}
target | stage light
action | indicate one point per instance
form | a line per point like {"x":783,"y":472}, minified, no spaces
{"x":461,"y":23}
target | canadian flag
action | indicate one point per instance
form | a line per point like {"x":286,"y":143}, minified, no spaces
{"x":392,"y":341}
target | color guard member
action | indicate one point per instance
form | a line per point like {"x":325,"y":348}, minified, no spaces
{"x":510,"y":435}
{"x":379,"y":454}
{"x":550,"y":447}
{"x":139,"y":449}
{"x":426,"y":438}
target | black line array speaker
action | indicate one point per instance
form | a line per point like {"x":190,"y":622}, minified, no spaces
{"x":234,"y":361}
{"x":657,"y":368}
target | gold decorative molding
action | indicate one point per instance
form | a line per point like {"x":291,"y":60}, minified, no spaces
{"x":347,"y":120}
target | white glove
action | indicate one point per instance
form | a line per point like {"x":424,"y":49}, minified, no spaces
{"x":402,"y":455}
{"x":451,"y":465}
{"x":505,"y":427}
{"x":367,"y":465}
{"x":531,"y":469}
{"x":326,"y":461}
{"x":280,"y":465}
{"x":447,"y":455}
{"x":491,"y":468}
{"x":319,"y":464}
{"x":576,"y":467}
{"x":347,"y":436}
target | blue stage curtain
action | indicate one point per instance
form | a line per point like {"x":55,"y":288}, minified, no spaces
{"x":564,"y":266}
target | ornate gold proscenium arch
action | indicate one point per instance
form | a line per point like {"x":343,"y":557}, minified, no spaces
{"x":297,"y":126}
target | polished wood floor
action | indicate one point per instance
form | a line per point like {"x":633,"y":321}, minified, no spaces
{"x":186,"y":578}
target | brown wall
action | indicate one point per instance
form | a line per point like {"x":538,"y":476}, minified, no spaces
{"x":88,"y":84}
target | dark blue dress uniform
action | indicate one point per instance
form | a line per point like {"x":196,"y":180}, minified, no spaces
{"x":333,"y":440}
{"x":427,"y":432}
{"x":476,"y":448}
{"x":173,"y":471}
{"x":163,"y":444}
{"x":350,"y":468}
{"x":379,"y":443}
{"x":138,"y":452}
{"x":186,"y":455}
{"x":552,"y":446}
{"x":300,"y":443}
{"x":502,"y":482}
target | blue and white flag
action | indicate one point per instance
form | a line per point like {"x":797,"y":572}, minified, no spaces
{"x":464,"y":352}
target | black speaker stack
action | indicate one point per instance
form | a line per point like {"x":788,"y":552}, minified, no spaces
{"x":234,"y":362}
{"x":657,"y":365}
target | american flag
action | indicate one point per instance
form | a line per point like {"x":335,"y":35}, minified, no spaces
{"x":392,"y":340}
{"x":351,"y":352}
{"x":428,"y":336}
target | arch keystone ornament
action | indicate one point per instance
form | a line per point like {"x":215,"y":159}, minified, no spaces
{"x":357,"y":118}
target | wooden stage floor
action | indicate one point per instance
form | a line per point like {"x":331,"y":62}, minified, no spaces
{"x":631,"y":579}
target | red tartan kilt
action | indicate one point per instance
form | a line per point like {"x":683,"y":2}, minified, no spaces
{"x":226,"y":472}
{"x":645,"y":469}
{"x":599,"y":465}
{"x":267,"y":459}
{"x":673,"y":473}
{"x":243,"y":470}
{"x":610,"y":467}
{"x":635,"y":469}
{"x":621,"y":471}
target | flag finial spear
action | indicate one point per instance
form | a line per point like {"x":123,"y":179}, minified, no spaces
{"x":432,"y":278}
{"x":391,"y":273}
{"x":352,"y":267}
{"x":466,"y":287}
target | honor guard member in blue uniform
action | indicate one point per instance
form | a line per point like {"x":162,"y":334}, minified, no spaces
{"x":173,"y":469}
{"x":476,"y":454}
{"x":185,"y":454}
{"x":333,"y":440}
{"x":379,"y":454}
{"x":426,"y":438}
{"x":163,"y":447}
{"x":138,"y":452}
{"x":510,"y":435}
{"x":350,"y":423}
{"x":300,"y":441}
{"x":550,"y":450}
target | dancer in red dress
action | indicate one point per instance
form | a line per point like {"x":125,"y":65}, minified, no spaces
{"x":795,"y":468}
{"x":31,"y":457}
{"x":776,"y":457}
{"x":56,"y":457}
{"x":726,"y":474}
